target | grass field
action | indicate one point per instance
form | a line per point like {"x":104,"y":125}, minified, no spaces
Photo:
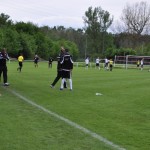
{"x":121,"y":114}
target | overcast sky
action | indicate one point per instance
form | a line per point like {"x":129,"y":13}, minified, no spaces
{"x":67,"y":13}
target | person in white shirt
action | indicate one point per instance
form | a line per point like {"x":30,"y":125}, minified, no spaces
{"x":142,"y":63}
{"x":97,"y":63}
{"x":87,"y":63}
{"x":106,"y":64}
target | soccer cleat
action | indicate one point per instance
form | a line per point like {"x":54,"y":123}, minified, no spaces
{"x":51,"y":86}
{"x":6,"y":84}
{"x":61,"y":89}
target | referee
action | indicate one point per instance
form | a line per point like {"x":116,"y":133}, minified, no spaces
{"x":20,"y":62}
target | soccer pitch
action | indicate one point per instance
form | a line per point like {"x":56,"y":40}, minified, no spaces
{"x":34,"y":116}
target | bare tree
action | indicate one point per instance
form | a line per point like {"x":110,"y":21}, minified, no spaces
{"x":136,"y":17}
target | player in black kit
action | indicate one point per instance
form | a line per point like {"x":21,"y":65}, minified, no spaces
{"x":67,"y":66}
{"x":59,"y":69}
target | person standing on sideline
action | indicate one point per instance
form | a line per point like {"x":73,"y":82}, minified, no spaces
{"x":20,"y":62}
{"x":3,"y":67}
{"x":67,"y":66}
{"x":97,"y":63}
{"x":36,"y":60}
{"x":87,"y":62}
{"x":142,"y":63}
{"x":59,"y":69}
{"x":50,"y":60}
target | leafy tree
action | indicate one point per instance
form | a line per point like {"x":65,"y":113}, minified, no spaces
{"x":27,"y":45}
{"x":5,"y":21}
{"x":97,"y":21}
{"x":2,"y":38}
{"x":72,"y":47}
{"x":28,"y":28}
{"x":9,"y":40}
{"x":111,"y":52}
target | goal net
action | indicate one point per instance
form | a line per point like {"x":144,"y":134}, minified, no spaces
{"x":130,"y":61}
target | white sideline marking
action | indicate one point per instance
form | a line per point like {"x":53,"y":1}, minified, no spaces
{"x":69,"y":122}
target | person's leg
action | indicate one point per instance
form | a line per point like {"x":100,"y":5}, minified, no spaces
{"x":5,"y":75}
{"x":0,"y":73}
{"x":70,"y":82}
{"x":62,"y":83}
{"x":56,"y":79}
{"x":20,"y":66}
{"x":70,"y":79}
{"x":65,"y":84}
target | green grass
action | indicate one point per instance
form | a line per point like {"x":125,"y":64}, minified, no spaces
{"x":121,"y":114}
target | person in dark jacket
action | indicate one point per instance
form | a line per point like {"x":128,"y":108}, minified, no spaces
{"x":36,"y":60}
{"x":67,"y":66}
{"x":3,"y":67}
{"x":59,"y":69}
{"x":50,"y":61}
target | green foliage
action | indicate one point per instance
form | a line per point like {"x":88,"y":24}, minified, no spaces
{"x":28,"y":28}
{"x":10,"y":40}
{"x":29,"y":39}
{"x":147,"y":50}
{"x":143,"y":50}
{"x":2,"y":38}
{"x":73,"y":50}
{"x":93,"y":40}
{"x":5,"y":21}
{"x":111,"y":52}
{"x":97,"y":21}
{"x":27,"y":45}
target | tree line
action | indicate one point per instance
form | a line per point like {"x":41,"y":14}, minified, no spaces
{"x":129,"y":37}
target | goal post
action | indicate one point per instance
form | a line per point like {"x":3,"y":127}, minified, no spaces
{"x":130,"y":61}
{"x":120,"y":61}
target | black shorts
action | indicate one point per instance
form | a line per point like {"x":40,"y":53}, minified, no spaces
{"x":35,"y":62}
{"x":20,"y":64}
{"x":66,"y":74}
{"x":142,"y":66}
{"x":97,"y":64}
{"x":106,"y":64}
{"x":110,"y":65}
